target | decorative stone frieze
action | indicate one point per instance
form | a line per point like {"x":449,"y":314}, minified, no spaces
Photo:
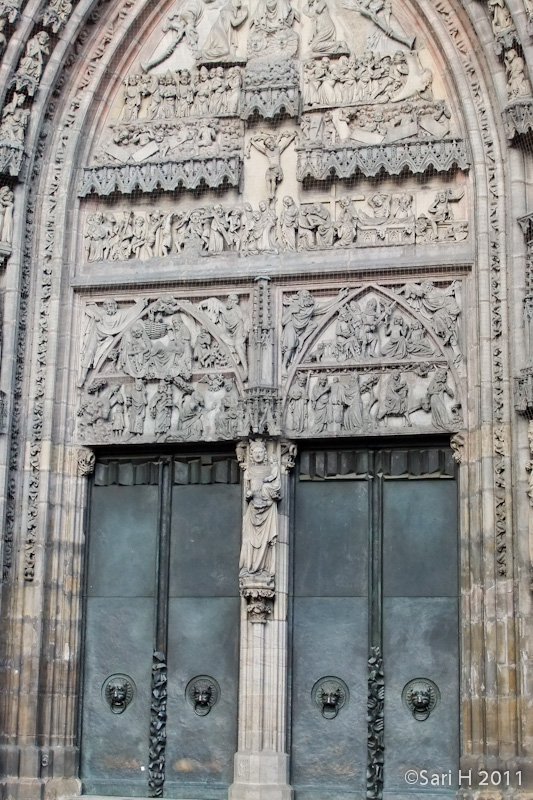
{"x":166,"y":175}
{"x":345,"y":161}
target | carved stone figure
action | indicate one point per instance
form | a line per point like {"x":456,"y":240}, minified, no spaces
{"x":234,"y":325}
{"x":433,"y":401}
{"x":136,"y":402}
{"x":227,"y":418}
{"x":272,"y":147}
{"x":14,"y":120}
{"x":440,"y":210}
{"x":6,"y":215}
{"x":289,"y":224}
{"x":56,"y":14}
{"x":260,"y":523}
{"x":324,"y":35}
{"x":102,"y":324}
{"x":31,"y":64}
{"x":191,"y":411}
{"x":94,"y":410}
{"x":501,"y":18}
{"x":183,"y":26}
{"x":117,"y":403}
{"x":297,"y":404}
{"x":273,"y":15}
{"x":161,"y":407}
{"x":222,"y":39}
{"x":353,"y":413}
{"x":517,"y":83}
{"x":440,"y":306}
{"x":396,"y":399}
{"x":320,"y":404}
{"x":298,"y":321}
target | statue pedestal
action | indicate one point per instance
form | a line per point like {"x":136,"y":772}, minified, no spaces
{"x":261,"y":776}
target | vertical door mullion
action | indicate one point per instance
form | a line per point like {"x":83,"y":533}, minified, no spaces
{"x":376,"y":688}
{"x":158,"y":711}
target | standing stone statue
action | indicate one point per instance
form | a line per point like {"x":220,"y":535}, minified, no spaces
{"x":260,"y":524}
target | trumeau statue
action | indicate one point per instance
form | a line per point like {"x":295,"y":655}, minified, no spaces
{"x":262,"y":486}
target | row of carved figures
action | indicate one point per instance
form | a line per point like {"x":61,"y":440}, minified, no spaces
{"x":243,"y":230}
{"x":371,"y":78}
{"x":172,"y":408}
{"x":203,"y":138}
{"x":212,"y":408}
{"x":333,"y":405}
{"x":374,"y":125}
{"x":182,"y":93}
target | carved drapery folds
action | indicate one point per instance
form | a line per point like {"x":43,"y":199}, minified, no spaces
{"x":257,"y":563}
{"x":377,"y":219}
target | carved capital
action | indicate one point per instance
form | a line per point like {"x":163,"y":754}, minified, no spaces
{"x":259,"y":593}
{"x":86,"y":461}
{"x":526,"y":223}
{"x":518,"y":117}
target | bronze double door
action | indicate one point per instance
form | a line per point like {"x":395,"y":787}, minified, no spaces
{"x":373,"y":624}
{"x":375,"y":620}
{"x":160,"y":688}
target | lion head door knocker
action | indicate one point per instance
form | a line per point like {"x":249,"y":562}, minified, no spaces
{"x":330,"y":694}
{"x":118,"y":691}
{"x":420,"y":696}
{"x":202,"y":693}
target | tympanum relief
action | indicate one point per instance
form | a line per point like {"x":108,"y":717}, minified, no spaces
{"x":372,"y":359}
{"x":350,"y":91}
{"x":164,"y":369}
{"x":352,"y":360}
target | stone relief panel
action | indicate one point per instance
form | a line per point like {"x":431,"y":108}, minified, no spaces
{"x":371,"y":359}
{"x":344,"y":82}
{"x":430,"y":215}
{"x":163,"y":369}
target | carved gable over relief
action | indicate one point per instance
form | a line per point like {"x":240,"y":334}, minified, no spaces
{"x":293,"y":111}
{"x":372,"y":358}
{"x":163,"y":368}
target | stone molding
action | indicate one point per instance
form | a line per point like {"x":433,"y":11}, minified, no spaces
{"x":169,"y":175}
{"x":441,"y":155}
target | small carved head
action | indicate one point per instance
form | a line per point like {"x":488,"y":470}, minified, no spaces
{"x":258,"y":452}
